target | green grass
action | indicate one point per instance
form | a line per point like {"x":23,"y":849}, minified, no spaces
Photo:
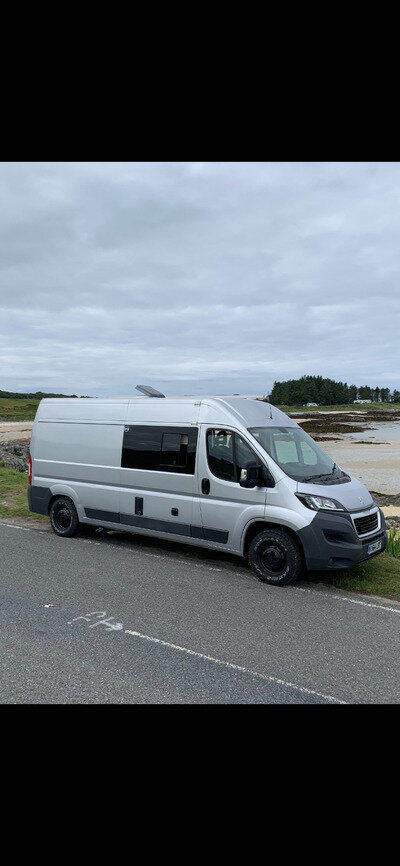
{"x":344,"y":407}
{"x":17,"y":410}
{"x":393,"y":546}
{"x":380,"y":576}
{"x":13,"y":494}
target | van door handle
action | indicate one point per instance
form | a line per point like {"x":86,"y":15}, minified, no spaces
{"x":205,"y":485}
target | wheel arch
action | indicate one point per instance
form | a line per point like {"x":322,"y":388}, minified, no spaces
{"x":65,"y":493}
{"x":258,"y":526}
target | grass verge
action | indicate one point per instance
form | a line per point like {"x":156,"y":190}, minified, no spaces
{"x":18,"y":410}
{"x":13,"y":494}
{"x":380,"y":576}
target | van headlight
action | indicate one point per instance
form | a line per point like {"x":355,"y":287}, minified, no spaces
{"x":318,"y":502}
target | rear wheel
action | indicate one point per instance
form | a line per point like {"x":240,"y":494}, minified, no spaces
{"x":64,"y":517}
{"x":275,"y":557}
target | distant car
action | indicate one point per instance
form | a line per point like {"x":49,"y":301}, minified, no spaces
{"x":312,"y":404}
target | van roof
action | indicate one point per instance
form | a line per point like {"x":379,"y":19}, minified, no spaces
{"x":248,"y":412}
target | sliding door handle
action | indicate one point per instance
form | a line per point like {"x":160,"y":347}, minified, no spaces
{"x":205,"y":486}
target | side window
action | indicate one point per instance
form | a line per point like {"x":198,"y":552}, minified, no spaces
{"x":141,"y":448}
{"x":161,"y":449}
{"x":244,"y":454}
{"x":220,"y":454}
{"x":228,"y":453}
{"x":174,"y":448}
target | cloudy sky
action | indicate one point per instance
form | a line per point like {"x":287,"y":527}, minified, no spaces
{"x":198,"y":277}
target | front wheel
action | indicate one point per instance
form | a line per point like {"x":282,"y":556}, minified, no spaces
{"x":64,"y":517}
{"x":275,"y":557}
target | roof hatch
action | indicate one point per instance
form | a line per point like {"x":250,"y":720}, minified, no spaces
{"x":149,"y":391}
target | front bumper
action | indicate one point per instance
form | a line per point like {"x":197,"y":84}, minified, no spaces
{"x":331,"y":542}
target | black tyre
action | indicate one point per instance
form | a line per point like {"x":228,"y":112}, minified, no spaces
{"x":275,"y":557}
{"x":64,"y":517}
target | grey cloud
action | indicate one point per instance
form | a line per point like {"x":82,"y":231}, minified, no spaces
{"x":198,"y":276}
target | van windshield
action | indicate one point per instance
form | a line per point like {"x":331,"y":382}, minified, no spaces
{"x":297,"y":453}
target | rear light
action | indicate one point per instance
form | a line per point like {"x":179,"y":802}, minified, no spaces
{"x":30,"y":470}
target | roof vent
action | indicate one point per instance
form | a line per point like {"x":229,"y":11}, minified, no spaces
{"x":149,"y":391}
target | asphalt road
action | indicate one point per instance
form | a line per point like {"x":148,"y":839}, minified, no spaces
{"x":129,"y":620}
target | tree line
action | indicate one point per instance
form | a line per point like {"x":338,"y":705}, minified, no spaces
{"x":38,"y":395}
{"x":326,"y":392}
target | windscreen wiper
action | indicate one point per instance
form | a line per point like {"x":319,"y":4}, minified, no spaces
{"x":321,"y":475}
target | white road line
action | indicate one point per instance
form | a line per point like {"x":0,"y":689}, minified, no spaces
{"x":234,"y":667}
{"x":346,"y":598}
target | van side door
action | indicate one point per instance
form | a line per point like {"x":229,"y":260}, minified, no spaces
{"x":158,"y":480}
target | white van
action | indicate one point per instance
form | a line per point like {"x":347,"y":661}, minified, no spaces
{"x":230,"y":473}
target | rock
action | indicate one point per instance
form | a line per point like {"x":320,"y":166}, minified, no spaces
{"x":15,"y":454}
{"x":392,"y":523}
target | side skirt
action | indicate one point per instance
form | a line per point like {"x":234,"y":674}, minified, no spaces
{"x":186,"y":530}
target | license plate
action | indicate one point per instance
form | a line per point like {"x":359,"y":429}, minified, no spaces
{"x":372,"y":548}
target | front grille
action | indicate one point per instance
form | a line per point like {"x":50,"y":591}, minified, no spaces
{"x":366,"y":524}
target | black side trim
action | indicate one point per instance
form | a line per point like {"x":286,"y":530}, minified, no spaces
{"x":185,"y":529}
{"x":38,"y":499}
{"x":215,"y":535}
{"x":157,"y":525}
{"x":98,"y":514}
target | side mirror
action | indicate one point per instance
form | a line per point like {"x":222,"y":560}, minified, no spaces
{"x":250,"y":475}
{"x":255,"y":475}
